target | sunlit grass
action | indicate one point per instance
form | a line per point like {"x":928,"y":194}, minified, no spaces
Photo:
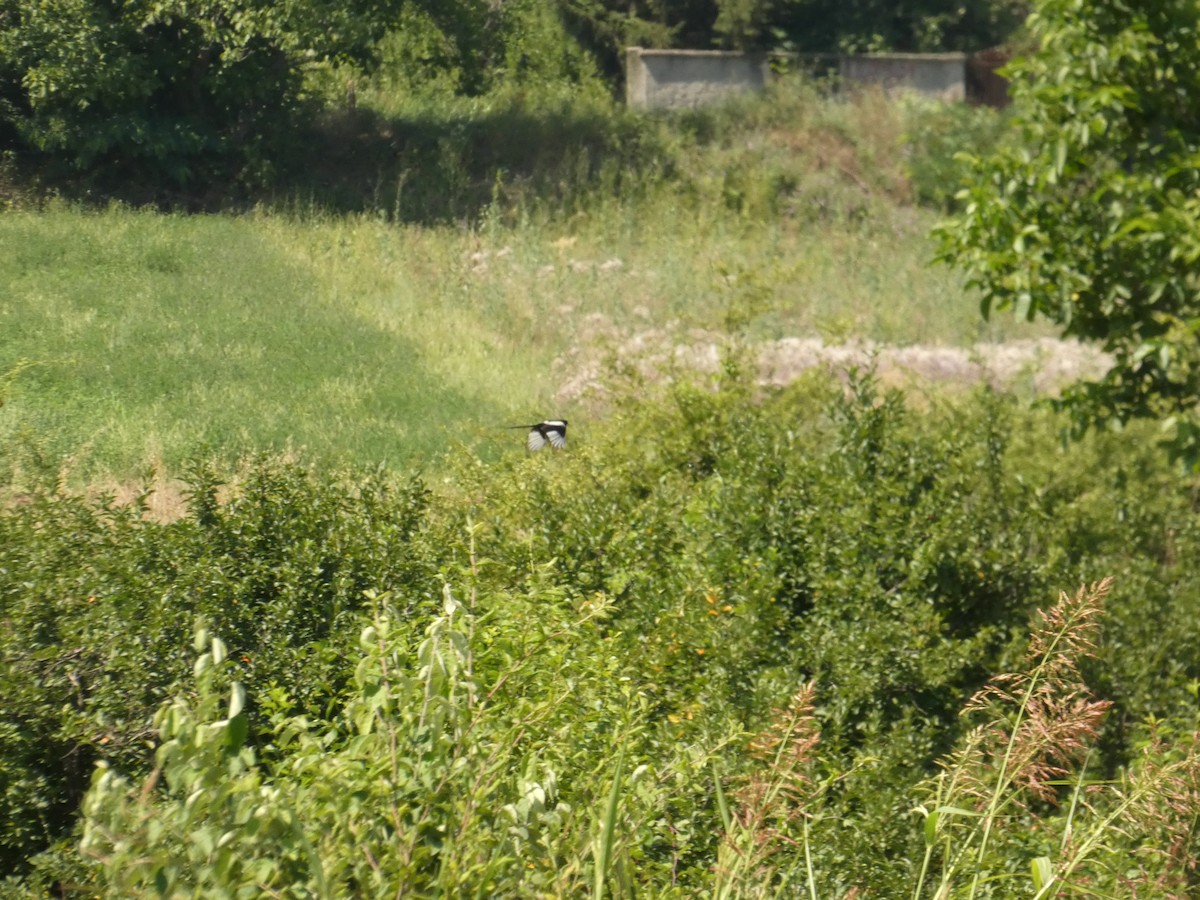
{"x":154,"y":336}
{"x":352,"y":338}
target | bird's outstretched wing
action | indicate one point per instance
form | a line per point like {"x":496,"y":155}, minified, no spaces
{"x":552,"y":432}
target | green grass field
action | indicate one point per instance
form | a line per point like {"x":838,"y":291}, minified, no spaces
{"x":155,"y":336}
{"x":145,"y":338}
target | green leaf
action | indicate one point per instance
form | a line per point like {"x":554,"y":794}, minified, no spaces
{"x":959,"y":811}
{"x":602,"y":851}
{"x":162,"y":881}
{"x":722,"y":803}
{"x":1024,"y":306}
{"x":931,"y":828}
{"x":236,"y":729}
{"x":237,"y":698}
{"x":203,"y":840}
{"x":1042,"y":871}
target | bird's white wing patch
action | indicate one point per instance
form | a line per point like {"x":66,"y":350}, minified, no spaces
{"x":536,"y":441}
{"x":557,"y":439}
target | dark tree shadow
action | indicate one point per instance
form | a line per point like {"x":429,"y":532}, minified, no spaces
{"x":418,"y":169}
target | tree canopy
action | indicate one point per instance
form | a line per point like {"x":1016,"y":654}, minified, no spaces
{"x":167,"y":85}
{"x":1090,"y":217}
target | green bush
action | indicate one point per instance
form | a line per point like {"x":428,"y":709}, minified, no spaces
{"x":444,"y":772}
{"x":98,"y":603}
{"x":936,"y":140}
{"x":891,"y":555}
{"x":721,"y":573}
{"x":167,"y":90}
{"x":405,"y":789}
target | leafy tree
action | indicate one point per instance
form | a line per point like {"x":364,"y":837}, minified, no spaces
{"x":475,"y":47}
{"x":742,"y":23}
{"x":811,"y":25}
{"x":825,"y":26}
{"x":168,"y":85}
{"x":1092,"y":217}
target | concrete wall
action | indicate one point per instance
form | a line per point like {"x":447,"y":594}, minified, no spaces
{"x":939,"y":75}
{"x":671,"y":79}
{"x":658,"y":79}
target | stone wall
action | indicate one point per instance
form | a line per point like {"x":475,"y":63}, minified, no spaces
{"x":673,"y":79}
{"x":939,"y":75}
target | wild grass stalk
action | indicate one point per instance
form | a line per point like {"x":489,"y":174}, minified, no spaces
{"x":1038,"y":723}
{"x":761,"y":850}
{"x":1054,"y":717}
{"x":1152,"y":815}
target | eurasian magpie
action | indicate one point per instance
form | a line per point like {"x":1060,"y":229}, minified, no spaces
{"x":553,"y":431}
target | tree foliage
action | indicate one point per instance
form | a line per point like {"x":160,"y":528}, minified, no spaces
{"x":181,"y":91}
{"x":167,"y":86}
{"x":1092,"y":217}
{"x":878,"y":25}
{"x":816,"y":26}
{"x":475,"y":47}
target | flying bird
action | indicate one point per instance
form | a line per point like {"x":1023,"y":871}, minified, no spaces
{"x":552,"y":431}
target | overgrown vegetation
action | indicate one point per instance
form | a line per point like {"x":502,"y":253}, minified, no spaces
{"x":351,"y":339}
{"x":442,"y":689}
{"x":182,"y":96}
{"x":737,"y":640}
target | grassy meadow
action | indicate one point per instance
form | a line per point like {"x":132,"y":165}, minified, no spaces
{"x":151,"y":336}
{"x":829,"y":639}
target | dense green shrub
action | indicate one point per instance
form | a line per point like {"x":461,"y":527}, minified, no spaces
{"x":168,"y":89}
{"x":718,"y":563}
{"x":405,"y":789}
{"x":98,"y":605}
{"x":445,"y":770}
{"x":892,"y":556}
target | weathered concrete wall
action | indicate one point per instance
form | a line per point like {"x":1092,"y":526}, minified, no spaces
{"x":658,"y":79}
{"x":940,"y":75}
